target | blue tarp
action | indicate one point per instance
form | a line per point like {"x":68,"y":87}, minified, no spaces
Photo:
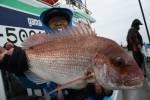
{"x":147,"y":45}
{"x":107,"y":98}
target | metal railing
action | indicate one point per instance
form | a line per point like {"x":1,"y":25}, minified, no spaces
{"x":79,"y":5}
{"x":74,"y":3}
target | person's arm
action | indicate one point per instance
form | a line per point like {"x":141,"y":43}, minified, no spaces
{"x":6,"y":52}
{"x":139,"y":40}
{"x":2,"y":55}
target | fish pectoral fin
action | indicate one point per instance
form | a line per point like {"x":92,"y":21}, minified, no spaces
{"x":79,"y":82}
{"x":89,"y":73}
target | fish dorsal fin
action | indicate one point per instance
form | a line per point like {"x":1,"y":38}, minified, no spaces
{"x":35,"y":40}
{"x":76,"y":31}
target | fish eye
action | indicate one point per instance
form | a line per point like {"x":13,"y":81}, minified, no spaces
{"x":119,"y":61}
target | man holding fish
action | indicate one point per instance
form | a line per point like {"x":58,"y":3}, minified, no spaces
{"x":75,"y":59}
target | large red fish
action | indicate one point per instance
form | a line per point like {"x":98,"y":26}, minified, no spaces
{"x":70,"y":55}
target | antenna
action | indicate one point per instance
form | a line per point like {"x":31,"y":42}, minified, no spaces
{"x":85,"y":3}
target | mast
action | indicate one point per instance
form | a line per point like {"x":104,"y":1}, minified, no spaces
{"x":85,"y":3}
{"x":144,"y":20}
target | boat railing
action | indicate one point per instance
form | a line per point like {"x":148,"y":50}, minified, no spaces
{"x":79,"y":4}
{"x":75,"y":3}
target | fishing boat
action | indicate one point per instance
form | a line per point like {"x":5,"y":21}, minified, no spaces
{"x":19,"y":19}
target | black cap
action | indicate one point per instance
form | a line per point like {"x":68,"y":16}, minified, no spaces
{"x":50,"y":13}
{"x":136,"y":22}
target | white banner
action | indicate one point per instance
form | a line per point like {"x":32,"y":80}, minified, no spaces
{"x":16,"y":34}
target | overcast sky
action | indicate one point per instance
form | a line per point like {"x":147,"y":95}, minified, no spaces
{"x":114,"y":17}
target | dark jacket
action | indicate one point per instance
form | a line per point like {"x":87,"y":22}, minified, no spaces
{"x":17,"y":63}
{"x":134,"y":39}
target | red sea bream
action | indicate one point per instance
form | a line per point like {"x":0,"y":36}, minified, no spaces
{"x":65,"y":56}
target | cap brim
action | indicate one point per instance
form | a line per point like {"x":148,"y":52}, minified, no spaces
{"x":46,"y":15}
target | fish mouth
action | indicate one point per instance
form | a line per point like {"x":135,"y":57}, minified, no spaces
{"x":135,"y":79}
{"x":129,"y":83}
{"x":123,"y":85}
{"x":132,"y":84}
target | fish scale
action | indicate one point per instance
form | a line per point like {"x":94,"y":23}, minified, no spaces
{"x":63,"y":62}
{"x":70,"y":62}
